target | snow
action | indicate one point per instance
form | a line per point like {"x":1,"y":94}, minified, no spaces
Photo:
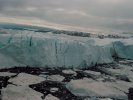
{"x":58,"y":78}
{"x":43,"y":75}
{"x":106,"y":99}
{"x":126,"y":61}
{"x":124,"y":70}
{"x":92,"y":73}
{"x":59,"y":50}
{"x":24,"y":79}
{"x":3,"y":74}
{"x":69,"y":72}
{"x":121,"y":85}
{"x":97,"y":99}
{"x":94,"y":89}
{"x":51,"y":97}
{"x":12,"y":92}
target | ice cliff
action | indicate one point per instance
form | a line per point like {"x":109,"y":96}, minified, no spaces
{"x":52,"y":50}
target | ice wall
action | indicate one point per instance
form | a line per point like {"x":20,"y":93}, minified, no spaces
{"x":41,"y":50}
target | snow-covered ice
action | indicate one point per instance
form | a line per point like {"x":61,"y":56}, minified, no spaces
{"x":7,"y":74}
{"x":69,"y":72}
{"x":12,"y":92}
{"x":93,"y":74}
{"x":98,"y":99}
{"x":121,"y":85}
{"x":96,"y":89}
{"x":106,"y":99}
{"x":124,"y":70}
{"x":50,"y":97}
{"x":26,"y":79}
{"x":57,"y":78}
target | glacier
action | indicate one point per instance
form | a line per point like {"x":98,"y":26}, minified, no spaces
{"x":60,"y":50}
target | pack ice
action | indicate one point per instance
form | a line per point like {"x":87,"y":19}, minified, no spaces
{"x":60,"y":50}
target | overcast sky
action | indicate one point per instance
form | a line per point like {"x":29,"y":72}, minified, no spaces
{"x":112,"y":15}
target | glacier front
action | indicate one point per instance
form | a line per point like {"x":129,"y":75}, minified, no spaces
{"x":60,"y":50}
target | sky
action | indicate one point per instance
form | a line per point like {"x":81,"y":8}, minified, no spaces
{"x":100,"y":15}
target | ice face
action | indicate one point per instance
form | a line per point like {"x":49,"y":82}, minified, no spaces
{"x":52,"y":50}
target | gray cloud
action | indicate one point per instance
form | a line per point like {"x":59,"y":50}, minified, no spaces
{"x":113,"y":15}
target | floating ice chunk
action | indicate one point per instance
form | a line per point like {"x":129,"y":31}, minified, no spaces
{"x":69,"y":72}
{"x":54,"y":89}
{"x":7,"y":74}
{"x":123,"y":86}
{"x":51,"y":97}
{"x":20,"y":93}
{"x":93,"y":74}
{"x":94,"y":89}
{"x":94,"y":98}
{"x":58,"y":78}
{"x":26,"y":79}
{"x":106,"y":99}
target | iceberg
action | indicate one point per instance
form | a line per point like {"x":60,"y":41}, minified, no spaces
{"x":60,"y":50}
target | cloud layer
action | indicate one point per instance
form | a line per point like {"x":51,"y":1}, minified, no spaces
{"x":111,"y":15}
